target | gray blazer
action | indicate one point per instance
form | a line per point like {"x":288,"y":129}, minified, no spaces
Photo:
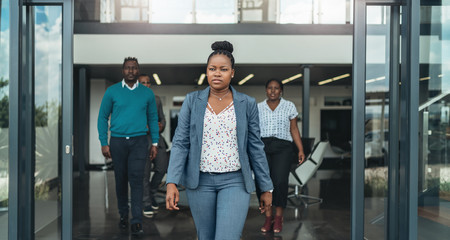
{"x":184,"y":163}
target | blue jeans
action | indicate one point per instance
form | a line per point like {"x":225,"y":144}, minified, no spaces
{"x":219,"y":206}
{"x":129,"y":157}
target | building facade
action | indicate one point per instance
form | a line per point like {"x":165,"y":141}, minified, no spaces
{"x":57,"y":62}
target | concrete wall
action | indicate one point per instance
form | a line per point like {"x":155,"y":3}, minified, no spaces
{"x":192,"y":49}
{"x":98,"y":88}
{"x":249,"y":49}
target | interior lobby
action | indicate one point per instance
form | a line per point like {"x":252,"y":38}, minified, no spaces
{"x":369,"y":77}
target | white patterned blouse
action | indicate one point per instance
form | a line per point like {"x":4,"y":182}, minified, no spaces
{"x":219,"y":142}
{"x":277,"y":123}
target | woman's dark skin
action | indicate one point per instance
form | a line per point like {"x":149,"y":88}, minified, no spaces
{"x":219,"y":72}
{"x":273,"y":92}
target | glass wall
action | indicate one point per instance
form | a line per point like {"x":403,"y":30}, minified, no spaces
{"x":48,"y":93}
{"x":434,"y":112}
{"x":4,"y":117}
{"x":216,"y":11}
{"x":376,"y":128}
{"x":171,"y":11}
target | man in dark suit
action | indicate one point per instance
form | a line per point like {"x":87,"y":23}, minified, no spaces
{"x":160,"y":162}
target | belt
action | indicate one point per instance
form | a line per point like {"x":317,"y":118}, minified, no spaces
{"x":130,"y":137}
{"x":219,"y":173}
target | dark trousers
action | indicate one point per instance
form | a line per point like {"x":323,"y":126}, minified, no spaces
{"x":129,"y":156}
{"x":160,"y":164}
{"x":279,"y":155}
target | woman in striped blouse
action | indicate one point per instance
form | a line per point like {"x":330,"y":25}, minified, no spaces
{"x":278,"y":123}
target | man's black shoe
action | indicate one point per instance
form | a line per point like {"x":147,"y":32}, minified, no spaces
{"x":154,"y":204}
{"x":136,"y":229}
{"x":148,"y":212}
{"x":123,"y":223}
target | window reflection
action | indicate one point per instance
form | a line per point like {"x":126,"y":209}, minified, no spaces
{"x":4,"y":117}
{"x":296,"y":11}
{"x":47,"y":84}
{"x":223,"y":11}
{"x":376,"y":15}
{"x":434,"y":115}
{"x":376,"y":127}
{"x":330,"y":11}
{"x":133,"y":10}
{"x":170,"y":11}
{"x":215,"y":11}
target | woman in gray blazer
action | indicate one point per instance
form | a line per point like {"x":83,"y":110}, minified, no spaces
{"x":215,"y":149}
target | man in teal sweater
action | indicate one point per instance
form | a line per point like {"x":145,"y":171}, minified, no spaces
{"x":131,"y":107}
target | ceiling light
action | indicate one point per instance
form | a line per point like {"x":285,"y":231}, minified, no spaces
{"x":334,"y":79}
{"x":440,"y":75}
{"x":246,"y":79}
{"x":201,"y":79}
{"x":155,"y":76}
{"x":424,"y":78}
{"x":291,"y":78}
{"x":325,"y":81}
{"x":341,"y":76}
{"x":375,"y":79}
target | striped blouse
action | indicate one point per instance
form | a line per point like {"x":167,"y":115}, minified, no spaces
{"x":277,"y":123}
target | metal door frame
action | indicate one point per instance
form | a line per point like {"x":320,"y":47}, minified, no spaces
{"x":403,"y":142}
{"x":21,"y":120}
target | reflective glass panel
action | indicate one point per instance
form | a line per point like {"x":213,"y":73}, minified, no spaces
{"x":376,"y":140}
{"x":130,"y":14}
{"x":171,"y":11}
{"x":4,"y":117}
{"x":296,"y":11}
{"x":376,"y":15}
{"x":434,"y":121}
{"x":133,"y":10}
{"x":48,"y":92}
{"x":330,"y":11}
{"x":215,"y":11}
{"x":107,"y":10}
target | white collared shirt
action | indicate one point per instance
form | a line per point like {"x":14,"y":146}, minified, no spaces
{"x":131,"y":88}
{"x":277,"y":123}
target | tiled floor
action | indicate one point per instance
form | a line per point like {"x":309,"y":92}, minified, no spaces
{"x":95,"y":214}
{"x":96,"y":217}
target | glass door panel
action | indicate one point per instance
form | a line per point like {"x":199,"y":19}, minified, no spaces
{"x":48,"y":95}
{"x":376,"y":129}
{"x":4,"y":117}
{"x":434,"y":112}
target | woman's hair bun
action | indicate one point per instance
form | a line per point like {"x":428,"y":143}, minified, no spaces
{"x":222,"y":45}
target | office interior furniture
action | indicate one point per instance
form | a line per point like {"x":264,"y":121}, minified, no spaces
{"x":303,"y":173}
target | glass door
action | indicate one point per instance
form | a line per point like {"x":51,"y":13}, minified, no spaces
{"x":41,"y":150}
{"x":376,"y":122}
{"x":47,"y":112}
{"x":385,"y":90}
{"x":4,"y":117}
{"x":434,"y":112}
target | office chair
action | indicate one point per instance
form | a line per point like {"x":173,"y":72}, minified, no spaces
{"x":303,"y":173}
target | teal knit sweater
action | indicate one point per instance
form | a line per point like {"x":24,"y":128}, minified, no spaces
{"x":131,"y":112}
